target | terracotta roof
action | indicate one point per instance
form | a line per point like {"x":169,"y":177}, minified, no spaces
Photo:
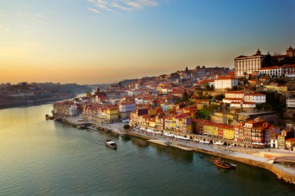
{"x":205,"y":81}
{"x":269,"y":68}
{"x":235,"y":92}
{"x":237,"y":99}
{"x":225,"y":78}
{"x":290,"y":140}
{"x":253,"y":93}
{"x":127,"y":103}
{"x":243,"y":103}
{"x":289,"y":66}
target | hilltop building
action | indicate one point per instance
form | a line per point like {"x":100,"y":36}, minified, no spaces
{"x":243,"y":99}
{"x":290,"y":52}
{"x":225,"y":82}
{"x":248,"y":64}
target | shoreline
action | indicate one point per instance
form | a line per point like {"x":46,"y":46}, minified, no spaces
{"x":251,"y":157}
{"x":34,"y":103}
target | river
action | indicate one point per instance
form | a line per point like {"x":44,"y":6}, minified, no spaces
{"x":40,"y":157}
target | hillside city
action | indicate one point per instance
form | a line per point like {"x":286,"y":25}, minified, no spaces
{"x":251,"y":105}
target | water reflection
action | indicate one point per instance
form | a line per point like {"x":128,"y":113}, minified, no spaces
{"x":140,"y":142}
{"x":174,"y":153}
{"x":126,"y":138}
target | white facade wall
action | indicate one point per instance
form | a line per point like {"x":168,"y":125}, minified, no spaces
{"x":225,"y":83}
{"x":73,"y":110}
{"x":126,"y":107}
{"x":255,"y":98}
{"x":245,"y":105}
{"x":289,"y":71}
{"x":248,"y":64}
{"x":290,"y":103}
{"x":247,"y":100}
{"x":236,"y":95}
{"x":271,"y":72}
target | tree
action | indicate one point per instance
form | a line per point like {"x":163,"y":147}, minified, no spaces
{"x":219,"y":97}
{"x":267,"y":60}
{"x":212,"y":87}
{"x":203,"y":114}
{"x":126,"y":127}
{"x":185,"y":96}
{"x":200,"y":95}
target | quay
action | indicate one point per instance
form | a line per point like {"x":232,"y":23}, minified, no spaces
{"x":255,"y":157}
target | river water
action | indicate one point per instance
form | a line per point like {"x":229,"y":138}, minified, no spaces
{"x":40,"y":157}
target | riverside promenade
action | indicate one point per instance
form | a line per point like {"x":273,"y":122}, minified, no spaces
{"x":255,"y":157}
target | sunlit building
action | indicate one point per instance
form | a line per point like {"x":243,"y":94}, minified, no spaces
{"x":248,"y":64}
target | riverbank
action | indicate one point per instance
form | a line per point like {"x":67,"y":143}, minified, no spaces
{"x":256,"y":157}
{"x":33,"y":102}
{"x":247,"y":156}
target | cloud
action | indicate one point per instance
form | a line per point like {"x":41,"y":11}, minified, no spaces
{"x":133,"y":4}
{"x":121,"y":5}
{"x":139,"y":4}
{"x":115,"y":5}
{"x":101,"y":4}
{"x":94,"y":10}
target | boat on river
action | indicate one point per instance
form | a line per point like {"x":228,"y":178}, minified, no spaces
{"x":223,"y":164}
{"x":47,"y":117}
{"x":111,"y":144}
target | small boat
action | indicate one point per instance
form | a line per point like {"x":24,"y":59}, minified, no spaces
{"x":94,"y":128}
{"x":47,"y":117}
{"x":81,"y":126}
{"x":223,"y":164}
{"x":111,"y":144}
{"x":231,"y":165}
{"x":271,"y":161}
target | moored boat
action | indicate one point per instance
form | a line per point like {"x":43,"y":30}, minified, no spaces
{"x":223,"y":164}
{"x":111,"y":144}
{"x":47,"y":117}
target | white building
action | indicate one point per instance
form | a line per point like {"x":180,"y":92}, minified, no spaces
{"x":274,"y":71}
{"x":248,"y":64}
{"x":225,"y":83}
{"x":73,"y":110}
{"x":125,"y":108}
{"x":290,"y":103}
{"x":255,"y":97}
{"x":243,"y":105}
{"x":289,"y":70}
{"x":134,"y":92}
{"x":243,"y":99}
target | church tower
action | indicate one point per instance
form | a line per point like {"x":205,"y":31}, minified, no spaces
{"x":290,"y":52}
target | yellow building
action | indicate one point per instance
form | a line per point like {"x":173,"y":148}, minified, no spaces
{"x":290,"y":143}
{"x":168,"y":123}
{"x":187,"y":124}
{"x":202,"y":102}
{"x":228,"y":134}
{"x":210,"y":129}
{"x":173,"y":123}
{"x":112,"y":114}
{"x":281,"y":89}
{"x":152,"y":111}
{"x":152,"y":123}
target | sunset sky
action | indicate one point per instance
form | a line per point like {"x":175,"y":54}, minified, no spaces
{"x":97,"y":41}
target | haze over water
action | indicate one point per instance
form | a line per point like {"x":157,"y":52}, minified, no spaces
{"x":40,"y":157}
